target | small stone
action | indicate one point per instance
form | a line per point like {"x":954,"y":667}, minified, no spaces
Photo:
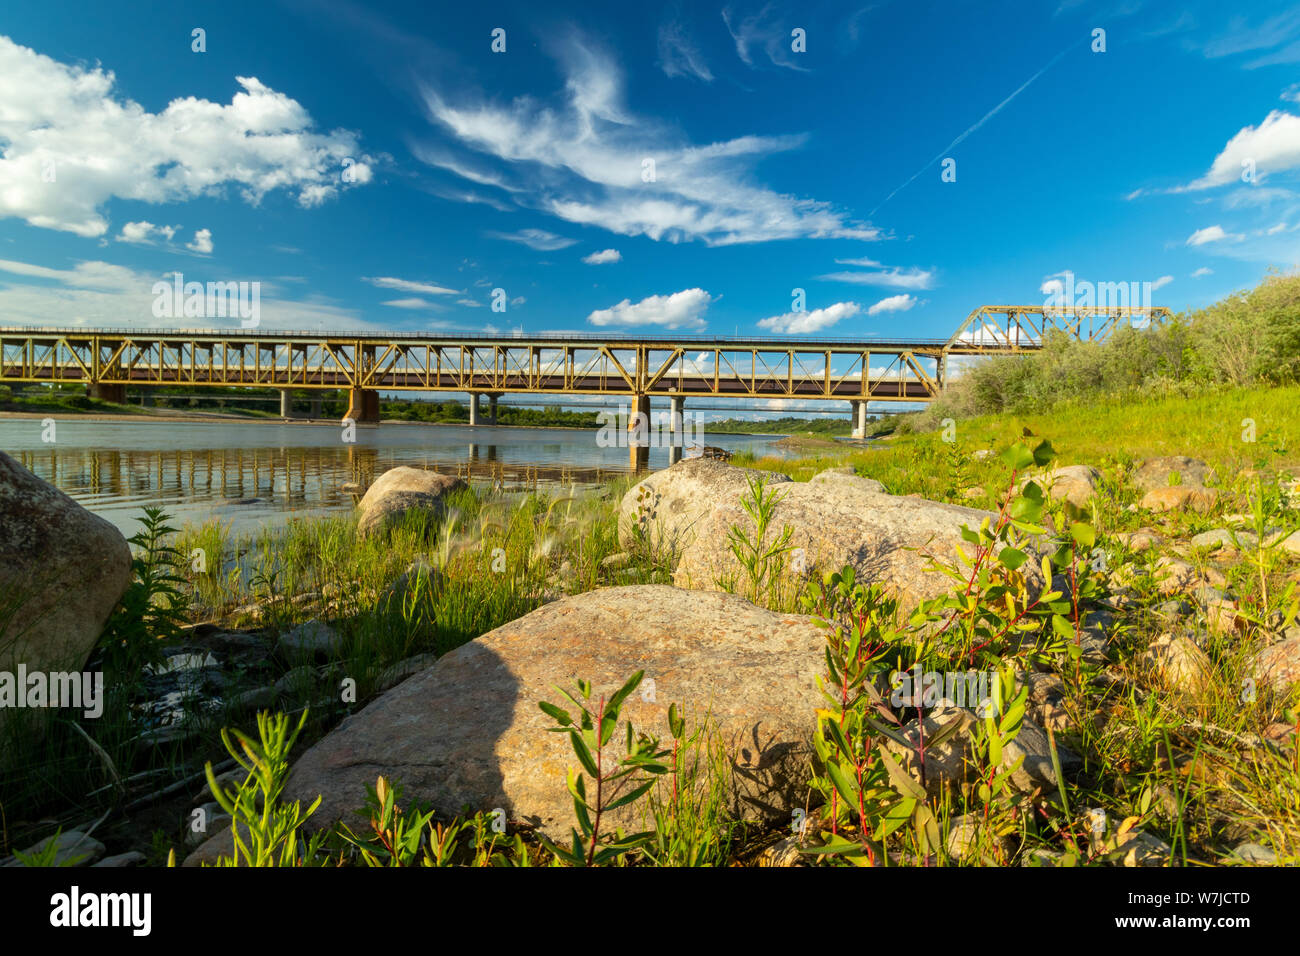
{"x":134,"y":858}
{"x":259,"y":698}
{"x":1278,"y":665}
{"x":74,"y":848}
{"x":297,"y":680}
{"x":1252,"y":854}
{"x":1180,"y":498}
{"x":613,"y":562}
{"x":313,"y":637}
{"x":1223,"y":538}
{"x":784,"y":852}
{"x":1179,"y":664}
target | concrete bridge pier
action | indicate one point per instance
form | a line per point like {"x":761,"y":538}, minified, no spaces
{"x":286,"y":403}
{"x":676,"y":416}
{"x":363,"y":405}
{"x":106,"y":392}
{"x":473,"y":408}
{"x":859,"y":418}
{"x":492,"y":407}
{"x":316,"y":404}
{"x":638,"y":434}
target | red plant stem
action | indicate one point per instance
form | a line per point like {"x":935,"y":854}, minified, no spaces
{"x":600,"y":779}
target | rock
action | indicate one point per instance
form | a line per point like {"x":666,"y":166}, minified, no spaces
{"x":216,"y":825}
{"x":1174,"y":576}
{"x":1278,"y":665}
{"x":1155,"y":473}
{"x":616,"y":561}
{"x":1139,"y":848}
{"x":884,"y":537}
{"x":468,"y":730}
{"x":418,"y":574}
{"x":62,"y":571}
{"x":394,"y":674}
{"x":400,"y":490}
{"x":963,"y":836}
{"x":784,"y":852}
{"x":1179,"y":664}
{"x":972,"y":493}
{"x":350,"y":488}
{"x":133,"y":858}
{"x":1075,"y":484}
{"x":665,"y":507}
{"x":1180,"y":498}
{"x":983,"y":454}
{"x":312,"y":638}
{"x":951,"y":762}
{"x":1144,"y":539}
{"x":1291,"y":542}
{"x":258,"y":698}
{"x":1223,"y":538}
{"x":298,"y":681}
{"x":848,"y":480}
{"x":1252,"y":854}
{"x":74,"y":849}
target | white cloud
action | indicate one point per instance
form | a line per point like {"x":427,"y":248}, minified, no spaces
{"x":894,"y":303}
{"x":1209,"y":234}
{"x":1271,"y":147}
{"x":202,"y":242}
{"x":1274,"y":230}
{"x":406,"y":285}
{"x":1161,"y":282}
{"x":1202,"y":271}
{"x":412,"y":303}
{"x":602,"y":257}
{"x":538,"y":239}
{"x":584,"y":161}
{"x":678,"y":54}
{"x":143,"y":233}
{"x":683,"y":309}
{"x":1292,"y":93}
{"x":801,"y":323}
{"x":765,"y":30}
{"x":894,"y":278}
{"x":469,"y":303}
{"x":69,"y":121}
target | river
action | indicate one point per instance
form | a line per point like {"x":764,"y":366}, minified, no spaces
{"x":249,"y":474}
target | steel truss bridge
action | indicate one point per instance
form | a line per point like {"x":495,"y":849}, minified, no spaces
{"x":621,"y":368}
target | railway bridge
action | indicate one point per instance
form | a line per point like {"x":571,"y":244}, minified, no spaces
{"x":629,"y":370}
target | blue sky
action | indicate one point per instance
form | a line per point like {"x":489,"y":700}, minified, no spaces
{"x":525,"y":170}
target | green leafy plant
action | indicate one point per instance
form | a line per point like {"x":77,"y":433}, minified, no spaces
{"x":762,"y":560}
{"x":633,"y":773}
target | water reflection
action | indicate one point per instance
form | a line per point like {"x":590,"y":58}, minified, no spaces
{"x":247,"y":474}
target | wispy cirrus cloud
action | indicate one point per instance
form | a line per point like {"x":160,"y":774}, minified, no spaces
{"x":538,"y":239}
{"x":408,"y":285}
{"x":678,"y":53}
{"x":880,"y":275}
{"x":590,"y":161}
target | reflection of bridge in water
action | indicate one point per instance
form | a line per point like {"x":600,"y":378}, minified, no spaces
{"x":300,"y":478}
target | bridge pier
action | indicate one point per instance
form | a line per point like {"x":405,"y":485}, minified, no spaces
{"x":286,"y":403}
{"x":492,"y":408}
{"x":473,"y":409}
{"x":859,"y":418}
{"x":316,"y":404}
{"x":638,"y":434}
{"x":363,"y":405}
{"x":676,"y":415}
{"x":106,"y":392}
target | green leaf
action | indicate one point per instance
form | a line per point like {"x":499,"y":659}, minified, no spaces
{"x":1083,"y":534}
{"x":1012,"y":558}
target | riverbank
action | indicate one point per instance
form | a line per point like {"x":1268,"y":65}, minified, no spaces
{"x":1179,"y":585}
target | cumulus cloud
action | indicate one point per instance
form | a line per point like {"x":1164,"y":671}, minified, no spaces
{"x":1271,"y":147}
{"x":894,"y":303}
{"x":681,"y":310}
{"x":144,"y":233}
{"x":406,"y":285}
{"x":538,"y":239}
{"x":590,"y":161}
{"x":602,"y":257}
{"x":1161,"y":282}
{"x":71,"y":143}
{"x":202,"y":242}
{"x":802,"y":323}
{"x":1209,"y":234}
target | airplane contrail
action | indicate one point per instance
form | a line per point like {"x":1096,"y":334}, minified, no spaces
{"x":984,"y":119}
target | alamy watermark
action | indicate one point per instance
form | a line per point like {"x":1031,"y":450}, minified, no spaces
{"x":80,"y":690}
{"x":625,"y":429}
{"x":215,"y":300}
{"x":979,"y":690}
{"x":1065,"y":292}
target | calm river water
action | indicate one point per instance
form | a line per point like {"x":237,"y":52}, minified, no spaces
{"x":248,"y":474}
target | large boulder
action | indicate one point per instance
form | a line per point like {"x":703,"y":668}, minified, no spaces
{"x":467,"y":732}
{"x":400,"y":490}
{"x":666,"y":507}
{"x":1180,"y":498}
{"x":837,"y":521}
{"x":62,"y":571}
{"x":1157,"y":472}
